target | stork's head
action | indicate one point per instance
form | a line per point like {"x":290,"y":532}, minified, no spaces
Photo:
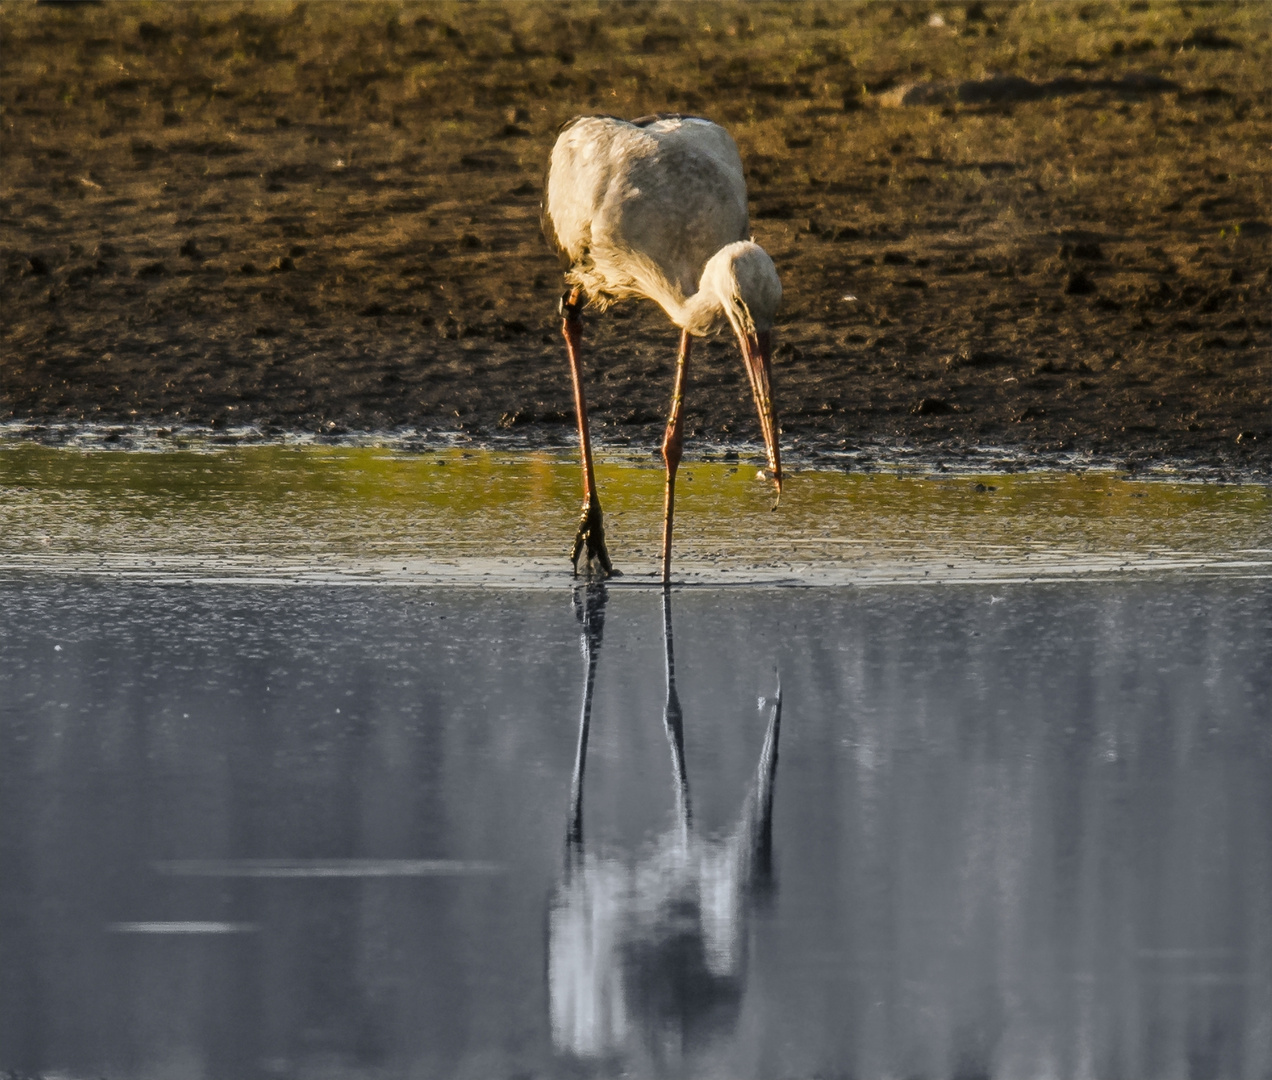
{"x":742,"y":277}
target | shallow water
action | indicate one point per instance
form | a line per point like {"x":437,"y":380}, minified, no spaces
{"x":1008,"y":815}
{"x":1014,"y":830}
{"x":370,"y":514}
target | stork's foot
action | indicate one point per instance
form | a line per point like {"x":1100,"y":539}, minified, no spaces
{"x":591,"y":536}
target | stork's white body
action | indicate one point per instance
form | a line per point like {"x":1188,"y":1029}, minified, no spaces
{"x":638,"y":209}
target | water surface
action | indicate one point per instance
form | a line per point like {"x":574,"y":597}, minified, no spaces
{"x":371,"y":514}
{"x":1011,"y":830}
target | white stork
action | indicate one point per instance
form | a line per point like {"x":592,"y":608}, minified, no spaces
{"x":656,"y":208}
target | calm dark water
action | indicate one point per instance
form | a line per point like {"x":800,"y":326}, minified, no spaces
{"x":1012,"y":831}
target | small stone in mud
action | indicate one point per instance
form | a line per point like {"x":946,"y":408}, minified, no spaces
{"x":1078,"y":284}
{"x":931,"y":406}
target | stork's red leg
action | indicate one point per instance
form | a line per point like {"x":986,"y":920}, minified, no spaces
{"x":673,"y":442}
{"x":591,"y":533}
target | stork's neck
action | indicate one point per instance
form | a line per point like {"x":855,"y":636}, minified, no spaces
{"x":701,"y":314}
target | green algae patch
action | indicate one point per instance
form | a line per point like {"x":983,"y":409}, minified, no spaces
{"x":371,"y":507}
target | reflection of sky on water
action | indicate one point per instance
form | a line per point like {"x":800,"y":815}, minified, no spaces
{"x":1016,"y":830}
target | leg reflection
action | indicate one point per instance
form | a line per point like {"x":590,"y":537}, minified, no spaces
{"x":589,"y":609}
{"x":673,"y":721}
{"x":647,"y":953}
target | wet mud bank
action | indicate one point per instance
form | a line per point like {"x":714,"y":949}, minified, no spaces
{"x":890,"y":455}
{"x":1040,"y":229}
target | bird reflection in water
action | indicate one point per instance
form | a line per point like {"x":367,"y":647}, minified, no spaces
{"x":653,"y":949}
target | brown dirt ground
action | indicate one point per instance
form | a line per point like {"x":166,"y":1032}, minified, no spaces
{"x":326,"y":217}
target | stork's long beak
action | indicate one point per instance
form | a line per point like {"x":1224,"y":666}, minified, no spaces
{"x":757,"y":351}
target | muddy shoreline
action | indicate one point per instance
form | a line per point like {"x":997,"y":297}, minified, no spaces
{"x":1041,"y":231}
{"x":895,"y":455}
